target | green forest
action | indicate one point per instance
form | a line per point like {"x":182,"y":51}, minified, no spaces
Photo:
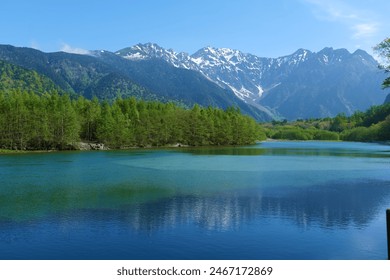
{"x":29,"y":121}
{"x":370,"y":126}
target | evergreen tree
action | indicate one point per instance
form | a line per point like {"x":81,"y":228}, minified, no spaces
{"x":88,"y":114}
{"x":64,"y":126}
{"x":105,"y":128}
{"x":50,"y":120}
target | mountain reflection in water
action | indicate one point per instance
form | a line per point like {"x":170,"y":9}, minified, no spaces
{"x":319,"y":206}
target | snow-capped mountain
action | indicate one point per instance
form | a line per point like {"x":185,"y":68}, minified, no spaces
{"x":303,"y":84}
{"x":223,"y":66}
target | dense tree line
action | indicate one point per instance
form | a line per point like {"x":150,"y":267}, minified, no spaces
{"x":369,"y":126}
{"x":372,"y":125}
{"x":299,"y":130}
{"x":53,"y":121}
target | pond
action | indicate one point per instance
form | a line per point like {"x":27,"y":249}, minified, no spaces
{"x":272,"y":200}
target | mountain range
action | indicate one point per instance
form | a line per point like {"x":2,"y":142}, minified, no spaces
{"x":304,"y":84}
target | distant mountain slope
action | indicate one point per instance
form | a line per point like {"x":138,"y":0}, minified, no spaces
{"x":301,"y":85}
{"x":183,"y":85}
{"x":76,"y":74}
{"x":14,"y":77}
{"x":327,"y":83}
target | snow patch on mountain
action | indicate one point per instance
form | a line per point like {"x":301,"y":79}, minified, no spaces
{"x":244,"y":73}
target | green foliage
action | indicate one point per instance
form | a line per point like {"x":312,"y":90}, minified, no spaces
{"x":14,"y":77}
{"x":384,"y":129}
{"x":361,"y":134}
{"x":54,"y":121}
{"x":30,"y":121}
{"x":372,"y":125}
{"x":383,"y":49}
{"x":89,"y":114}
{"x":292,"y":133}
{"x":63,"y":124}
{"x":325,"y":135}
{"x":375,"y":114}
{"x":300,"y":130}
{"x":339,"y":123}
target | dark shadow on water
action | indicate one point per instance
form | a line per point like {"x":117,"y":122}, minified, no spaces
{"x":259,"y":150}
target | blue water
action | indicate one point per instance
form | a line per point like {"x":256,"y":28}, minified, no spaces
{"x":273,"y":200}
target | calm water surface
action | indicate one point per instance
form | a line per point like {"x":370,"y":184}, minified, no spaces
{"x":274,"y":200}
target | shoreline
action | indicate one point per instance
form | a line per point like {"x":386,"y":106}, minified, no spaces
{"x":172,"y":146}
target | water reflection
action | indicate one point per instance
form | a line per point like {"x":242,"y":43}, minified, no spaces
{"x":325,"y":206}
{"x":153,"y":205}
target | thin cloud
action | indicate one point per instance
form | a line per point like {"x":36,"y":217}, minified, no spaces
{"x":357,"y":21}
{"x":331,"y":11}
{"x":68,"y":49}
{"x":364,"y":30}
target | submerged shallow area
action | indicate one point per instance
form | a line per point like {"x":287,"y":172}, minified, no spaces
{"x":273,"y":200}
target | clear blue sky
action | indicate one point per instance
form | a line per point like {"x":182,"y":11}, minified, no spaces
{"x":268,"y":28}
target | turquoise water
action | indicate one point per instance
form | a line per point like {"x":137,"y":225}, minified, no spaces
{"x":273,"y":200}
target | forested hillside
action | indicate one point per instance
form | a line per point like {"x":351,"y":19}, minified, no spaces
{"x":53,"y":121}
{"x":16,"y":77}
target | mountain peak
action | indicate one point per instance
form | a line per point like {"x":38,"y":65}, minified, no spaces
{"x":296,"y":58}
{"x":326,"y":50}
{"x":339,"y":52}
{"x":216,"y":51}
{"x":302,"y":51}
{"x":141,"y":51}
{"x":363,"y":54}
{"x":329,"y":55}
{"x":217,"y":56}
{"x":301,"y":55}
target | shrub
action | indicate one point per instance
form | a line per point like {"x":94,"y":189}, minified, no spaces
{"x":361,"y":134}
{"x":326,"y":135}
